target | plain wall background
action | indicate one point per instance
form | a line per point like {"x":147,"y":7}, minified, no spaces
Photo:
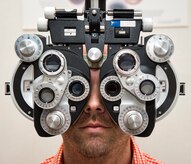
{"x":19,"y":143}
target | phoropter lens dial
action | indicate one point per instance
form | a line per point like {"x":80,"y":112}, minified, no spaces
{"x":77,"y":88}
{"x":147,"y":87}
{"x":126,"y":62}
{"x":52,"y":62}
{"x":46,"y":95}
{"x":111,"y":88}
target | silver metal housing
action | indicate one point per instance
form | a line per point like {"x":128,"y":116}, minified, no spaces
{"x":56,"y":81}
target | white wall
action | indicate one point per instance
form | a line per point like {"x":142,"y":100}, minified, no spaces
{"x":19,"y":142}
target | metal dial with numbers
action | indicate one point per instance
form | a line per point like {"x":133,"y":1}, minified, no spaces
{"x":28,"y":47}
{"x":55,"y":121}
{"x":159,"y":48}
{"x":133,"y":120}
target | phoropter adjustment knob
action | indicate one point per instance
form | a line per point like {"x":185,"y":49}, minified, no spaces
{"x":133,"y":120}
{"x":55,"y":120}
{"x":28,"y":47}
{"x":159,"y":48}
{"x":95,"y":55}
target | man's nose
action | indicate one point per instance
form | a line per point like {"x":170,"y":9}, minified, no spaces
{"x":94,"y":103}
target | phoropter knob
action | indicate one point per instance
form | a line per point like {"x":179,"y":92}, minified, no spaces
{"x":55,"y":120}
{"x":28,"y":47}
{"x":159,"y":48}
{"x":133,"y":120}
{"x":95,"y":54}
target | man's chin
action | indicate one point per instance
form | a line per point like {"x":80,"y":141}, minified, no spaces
{"x":94,"y":147}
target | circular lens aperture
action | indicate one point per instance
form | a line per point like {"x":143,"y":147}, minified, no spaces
{"x":51,"y":63}
{"x":76,"y":88}
{"x":112,"y":88}
{"x":46,"y":95}
{"x":126,"y":62}
{"x":147,"y":87}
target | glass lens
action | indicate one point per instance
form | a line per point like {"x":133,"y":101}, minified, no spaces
{"x":126,"y":62}
{"x":46,"y":95}
{"x":52,"y":63}
{"x":76,"y":88}
{"x":112,"y":88}
{"x":147,"y":87}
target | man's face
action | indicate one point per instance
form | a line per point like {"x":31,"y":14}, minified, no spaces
{"x":94,"y":133}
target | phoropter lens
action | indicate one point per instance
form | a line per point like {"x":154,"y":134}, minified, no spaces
{"x":46,"y":95}
{"x":76,"y":88}
{"x":112,"y":88}
{"x":126,"y":62}
{"x":51,"y":63}
{"x":147,"y":87}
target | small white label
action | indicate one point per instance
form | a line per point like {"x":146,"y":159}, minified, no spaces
{"x":116,"y":108}
{"x":69,"y":32}
{"x":122,"y":32}
{"x":73,"y":108}
{"x":127,"y":24}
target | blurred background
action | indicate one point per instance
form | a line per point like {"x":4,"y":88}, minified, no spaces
{"x":170,"y":140}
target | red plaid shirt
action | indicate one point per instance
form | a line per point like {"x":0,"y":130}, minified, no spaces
{"x":138,"y":157}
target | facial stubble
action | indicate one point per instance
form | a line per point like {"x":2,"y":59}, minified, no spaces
{"x":91,"y":145}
